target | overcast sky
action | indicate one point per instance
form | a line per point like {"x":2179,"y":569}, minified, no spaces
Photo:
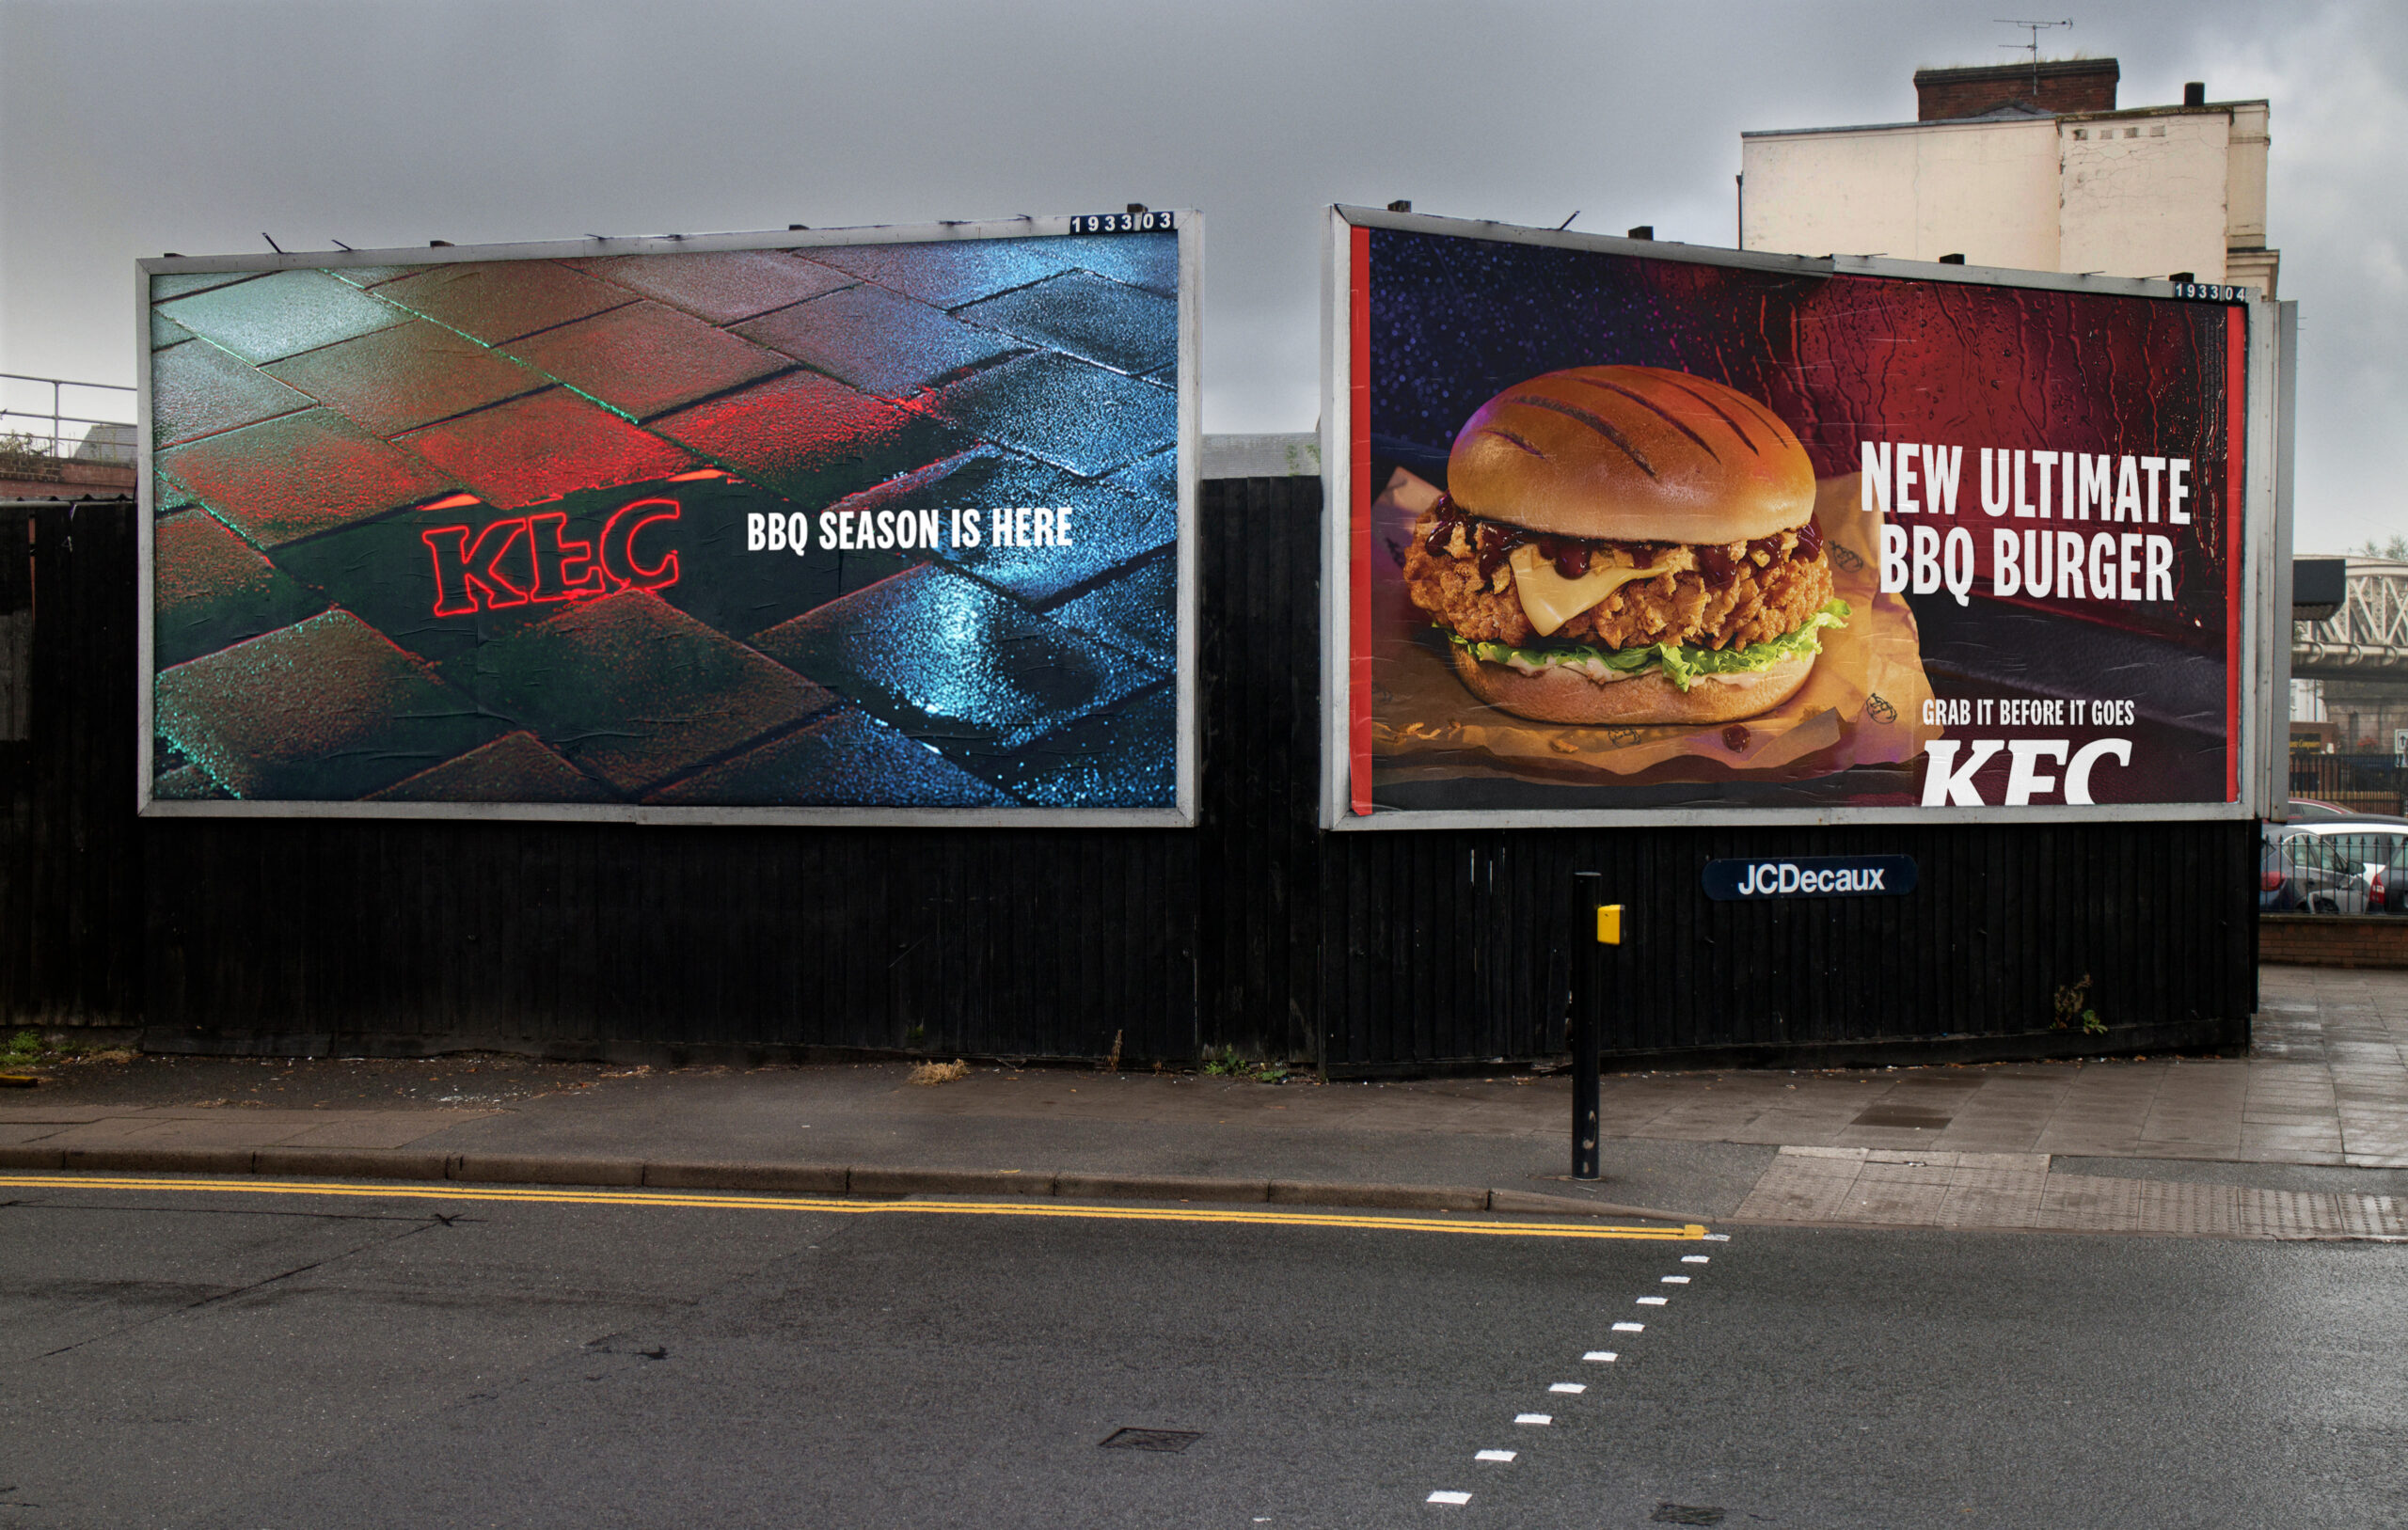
{"x":128,"y":129}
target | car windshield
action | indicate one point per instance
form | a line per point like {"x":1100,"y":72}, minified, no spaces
{"x":2363,"y":849}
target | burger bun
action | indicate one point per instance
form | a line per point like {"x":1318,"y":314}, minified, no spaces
{"x":1562,"y":695}
{"x":1632,"y":454}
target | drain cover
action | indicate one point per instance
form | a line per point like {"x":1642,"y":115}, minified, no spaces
{"x":1686,"y":1514}
{"x":1162,"y":1440}
{"x":1902,"y":1115}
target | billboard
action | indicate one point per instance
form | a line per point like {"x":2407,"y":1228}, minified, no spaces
{"x":1630,"y":532}
{"x":883,"y":525}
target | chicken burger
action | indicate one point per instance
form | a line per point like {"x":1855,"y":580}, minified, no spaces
{"x":1627,"y":545}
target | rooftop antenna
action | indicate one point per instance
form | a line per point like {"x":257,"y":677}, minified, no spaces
{"x":2033,"y":47}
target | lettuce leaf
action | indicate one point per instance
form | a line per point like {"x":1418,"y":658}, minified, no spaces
{"x":1685,"y":666}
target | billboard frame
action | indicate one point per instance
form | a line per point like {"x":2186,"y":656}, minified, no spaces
{"x":1188,"y":224}
{"x":2262,"y":650}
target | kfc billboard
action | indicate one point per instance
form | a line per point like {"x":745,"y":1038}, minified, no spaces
{"x":1631,"y":531}
{"x":883,"y":525}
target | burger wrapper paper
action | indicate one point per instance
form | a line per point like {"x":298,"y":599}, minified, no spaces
{"x":1861,"y":706}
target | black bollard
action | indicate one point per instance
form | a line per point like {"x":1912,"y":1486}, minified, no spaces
{"x":1594,"y":923}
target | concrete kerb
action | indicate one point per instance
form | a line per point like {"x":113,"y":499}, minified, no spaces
{"x":803,"y":1179}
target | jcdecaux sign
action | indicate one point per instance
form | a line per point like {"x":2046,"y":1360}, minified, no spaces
{"x":1809,"y":876}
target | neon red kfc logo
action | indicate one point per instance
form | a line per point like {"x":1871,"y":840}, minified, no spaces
{"x":513,"y":563}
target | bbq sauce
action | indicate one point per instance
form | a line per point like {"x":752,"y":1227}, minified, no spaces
{"x":1493,"y":543}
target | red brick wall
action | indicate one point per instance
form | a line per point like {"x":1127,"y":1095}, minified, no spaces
{"x":2073,"y":85}
{"x":2333,"y":940}
{"x":75,"y":481}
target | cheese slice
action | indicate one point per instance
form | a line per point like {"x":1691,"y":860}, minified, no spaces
{"x":1550,"y":600}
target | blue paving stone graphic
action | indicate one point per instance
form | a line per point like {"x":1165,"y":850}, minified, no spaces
{"x":953,"y":664}
{"x":1146,"y":260}
{"x":1154,"y":477}
{"x":1108,"y":526}
{"x":1064,"y":411}
{"x":168,"y":288}
{"x":1117,"y":759}
{"x":845,"y":759}
{"x":282,"y":315}
{"x":341,"y":453}
{"x":197,"y":390}
{"x":878,"y":340}
{"x":947,"y":274}
{"x":1137,"y":613}
{"x":1086,"y":316}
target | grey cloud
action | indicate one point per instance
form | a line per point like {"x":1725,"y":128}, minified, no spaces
{"x":138,"y":126}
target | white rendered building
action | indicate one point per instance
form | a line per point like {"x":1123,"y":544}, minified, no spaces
{"x":2024,"y":165}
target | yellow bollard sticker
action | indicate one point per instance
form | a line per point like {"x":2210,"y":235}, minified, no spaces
{"x":1609,"y":924}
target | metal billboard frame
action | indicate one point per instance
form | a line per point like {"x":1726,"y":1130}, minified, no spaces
{"x":2263,"y":649}
{"x":1188,"y":224}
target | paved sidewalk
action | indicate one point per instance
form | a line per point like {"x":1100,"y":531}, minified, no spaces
{"x":2320,"y":1108}
{"x":2022,"y":1191}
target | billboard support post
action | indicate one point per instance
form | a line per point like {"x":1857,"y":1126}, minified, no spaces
{"x":1596,"y":925}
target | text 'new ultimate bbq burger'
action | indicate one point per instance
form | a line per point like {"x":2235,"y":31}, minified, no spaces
{"x":1627,"y":545}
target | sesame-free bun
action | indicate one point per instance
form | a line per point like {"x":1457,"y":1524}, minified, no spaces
{"x":1560,"y":695}
{"x":1632,"y":454}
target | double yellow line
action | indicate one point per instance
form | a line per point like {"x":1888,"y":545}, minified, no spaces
{"x":1068,"y":1210}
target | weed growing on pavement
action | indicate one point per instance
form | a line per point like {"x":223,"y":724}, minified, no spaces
{"x":1228,"y":1065}
{"x":30,"y":1046}
{"x":2070,"y":1007}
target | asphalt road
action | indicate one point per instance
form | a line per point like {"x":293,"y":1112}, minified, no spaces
{"x":204,"y":1358}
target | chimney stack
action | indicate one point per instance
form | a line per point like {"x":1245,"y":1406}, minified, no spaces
{"x":2052,"y":86}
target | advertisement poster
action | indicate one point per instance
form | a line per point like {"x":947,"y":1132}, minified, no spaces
{"x":1640,"y":531}
{"x":868,"y":525}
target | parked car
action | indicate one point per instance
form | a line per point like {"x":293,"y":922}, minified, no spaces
{"x":2335,"y":866}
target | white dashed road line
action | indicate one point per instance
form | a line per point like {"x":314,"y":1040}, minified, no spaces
{"x":1452,"y":1498}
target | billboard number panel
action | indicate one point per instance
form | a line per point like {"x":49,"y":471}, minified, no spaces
{"x":1634,"y":533}
{"x":882,"y":525}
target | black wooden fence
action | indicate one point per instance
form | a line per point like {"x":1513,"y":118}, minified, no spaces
{"x":1255,"y":932}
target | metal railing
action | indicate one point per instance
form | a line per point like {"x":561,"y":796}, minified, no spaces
{"x":2364,"y":783}
{"x":35,"y":440}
